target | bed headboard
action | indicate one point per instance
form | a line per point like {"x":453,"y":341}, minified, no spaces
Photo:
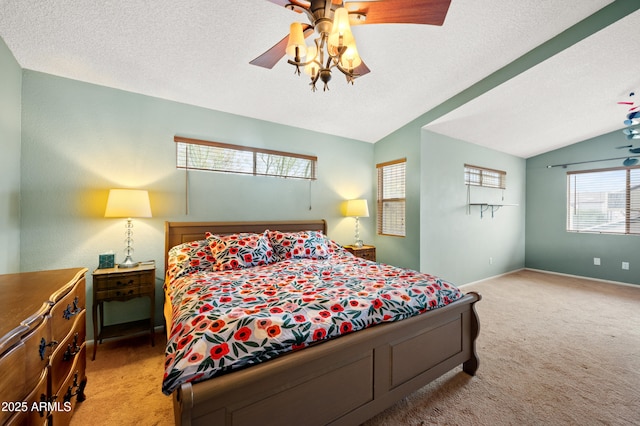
{"x":181,"y":232}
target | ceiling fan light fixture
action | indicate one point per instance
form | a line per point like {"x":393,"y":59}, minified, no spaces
{"x":334,"y":48}
{"x":296,"y":47}
{"x":350,"y":58}
{"x":336,"y":41}
{"x":341,"y":21}
{"x":312,"y":67}
{"x":332,"y":21}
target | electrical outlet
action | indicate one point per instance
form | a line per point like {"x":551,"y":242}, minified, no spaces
{"x":625,"y":265}
{"x":596,"y":261}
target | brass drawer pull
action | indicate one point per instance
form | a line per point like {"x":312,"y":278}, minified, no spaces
{"x":43,"y":403}
{"x":70,"y":393}
{"x":68,"y":313}
{"x":71,"y":350}
{"x":126,"y":284}
{"x":44,"y":345}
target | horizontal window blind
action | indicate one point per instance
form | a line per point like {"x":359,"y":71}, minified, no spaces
{"x":194,"y":154}
{"x":481,"y":176}
{"x":391,"y":198}
{"x":604,"y":201}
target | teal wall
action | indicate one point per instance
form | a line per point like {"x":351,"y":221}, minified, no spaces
{"x":441,"y":237}
{"x":456,"y":243}
{"x":401,"y":251}
{"x":548,"y":245}
{"x":79,"y":140}
{"x":10,"y":139}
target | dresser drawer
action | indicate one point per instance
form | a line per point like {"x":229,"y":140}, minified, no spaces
{"x":34,"y":413}
{"x":12,"y":387}
{"x":67,"y":395}
{"x":38,"y":346}
{"x":64,"y":312}
{"x":66,"y":352}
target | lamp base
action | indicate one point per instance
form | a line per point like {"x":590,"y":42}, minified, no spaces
{"x":128,"y":263}
{"x":358,"y":243}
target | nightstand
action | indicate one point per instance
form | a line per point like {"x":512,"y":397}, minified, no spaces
{"x":365,"y":252}
{"x":121,"y":284}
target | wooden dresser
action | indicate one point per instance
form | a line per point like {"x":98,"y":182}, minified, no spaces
{"x":42,"y":346}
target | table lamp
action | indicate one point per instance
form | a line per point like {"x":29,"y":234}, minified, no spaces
{"x":128,"y":203}
{"x":357,"y":209}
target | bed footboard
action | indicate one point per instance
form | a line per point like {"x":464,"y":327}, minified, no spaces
{"x":344,"y":381}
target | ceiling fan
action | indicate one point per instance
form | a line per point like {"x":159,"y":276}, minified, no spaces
{"x":335,"y":46}
{"x":631,"y":132}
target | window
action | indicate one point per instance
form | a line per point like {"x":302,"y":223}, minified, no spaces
{"x":604,"y":201}
{"x":481,"y":176}
{"x":391,"y":197}
{"x":193,"y":154}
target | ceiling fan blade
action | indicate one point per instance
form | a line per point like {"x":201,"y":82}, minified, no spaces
{"x":361,"y":70}
{"x":428,"y":12}
{"x":271,"y":57}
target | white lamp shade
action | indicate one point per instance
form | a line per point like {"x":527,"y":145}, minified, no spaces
{"x":128,"y":203}
{"x":356,"y":208}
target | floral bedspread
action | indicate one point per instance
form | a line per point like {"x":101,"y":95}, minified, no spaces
{"x":231,"y":319}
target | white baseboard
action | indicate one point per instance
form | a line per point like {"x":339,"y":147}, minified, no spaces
{"x":489,"y":278}
{"x":584,"y":278}
{"x":551,"y":273}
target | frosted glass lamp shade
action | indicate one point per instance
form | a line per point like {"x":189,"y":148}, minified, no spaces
{"x":356,"y":208}
{"x":296,"y":40}
{"x":128,"y":203}
{"x":341,"y":34}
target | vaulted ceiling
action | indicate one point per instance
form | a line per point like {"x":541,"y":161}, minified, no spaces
{"x":522,"y":77}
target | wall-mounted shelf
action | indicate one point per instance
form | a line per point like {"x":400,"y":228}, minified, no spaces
{"x":486,"y":206}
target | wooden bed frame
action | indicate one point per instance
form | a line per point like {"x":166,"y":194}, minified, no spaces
{"x":343,"y":381}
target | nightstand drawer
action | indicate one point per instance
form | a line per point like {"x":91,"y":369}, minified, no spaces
{"x":117,"y":294}
{"x":117,"y":282}
{"x":364,"y":252}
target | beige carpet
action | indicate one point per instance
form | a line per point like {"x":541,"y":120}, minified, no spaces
{"x":553,"y":350}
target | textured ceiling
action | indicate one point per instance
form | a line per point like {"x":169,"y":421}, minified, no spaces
{"x":198,"y":52}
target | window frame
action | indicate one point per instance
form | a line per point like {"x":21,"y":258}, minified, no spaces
{"x":255,"y":151}
{"x":381,"y":200}
{"x":631,"y":203}
{"x":482,"y":181}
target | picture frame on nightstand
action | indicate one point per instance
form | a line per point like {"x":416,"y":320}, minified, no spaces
{"x":106,"y":260}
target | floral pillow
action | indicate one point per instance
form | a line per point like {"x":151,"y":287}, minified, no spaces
{"x":187,"y":258}
{"x":299,"y":245}
{"x":239,"y":251}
